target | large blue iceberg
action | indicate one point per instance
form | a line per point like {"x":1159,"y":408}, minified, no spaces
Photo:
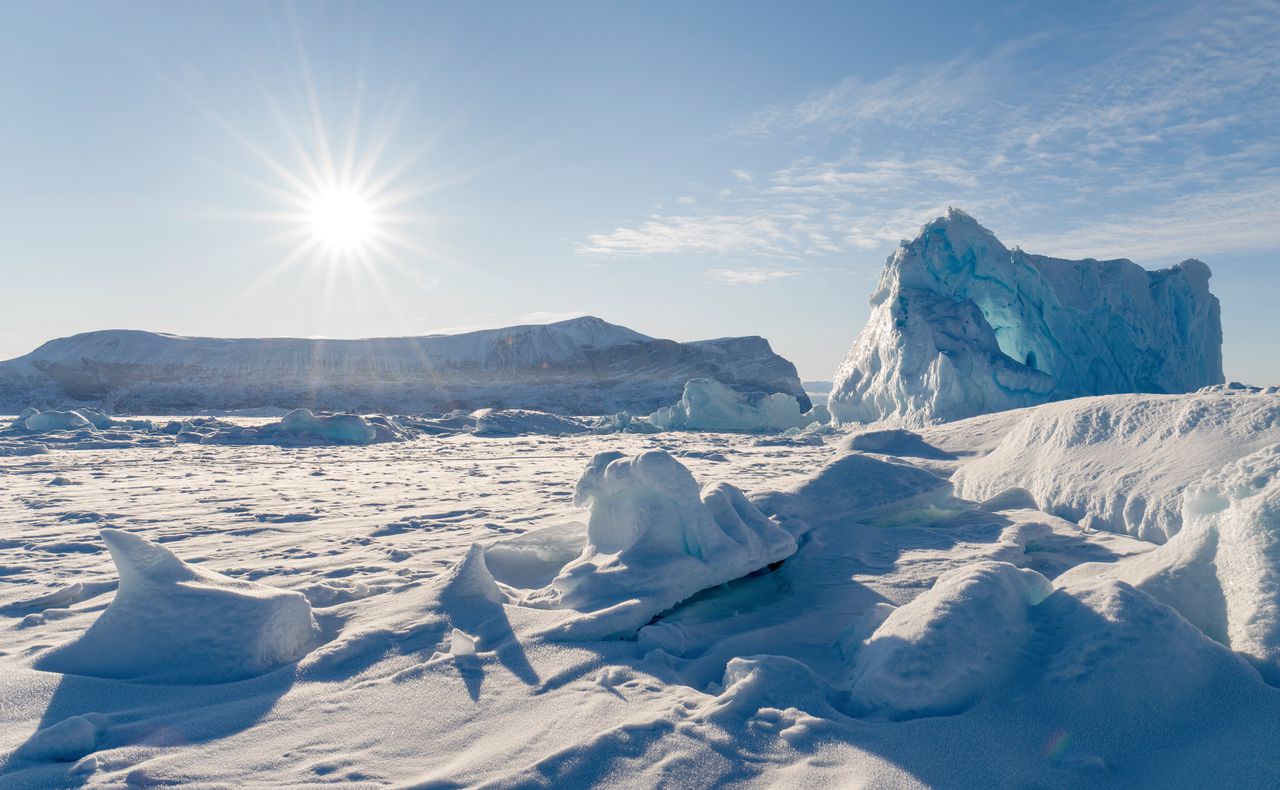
{"x":960,"y":325}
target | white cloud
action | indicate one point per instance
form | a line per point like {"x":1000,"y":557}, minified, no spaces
{"x":748,"y":276}
{"x":1153,"y":147}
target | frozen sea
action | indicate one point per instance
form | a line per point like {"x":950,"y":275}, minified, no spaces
{"x":914,"y":637}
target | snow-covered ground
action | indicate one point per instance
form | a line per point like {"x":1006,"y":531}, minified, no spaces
{"x":459,"y":609}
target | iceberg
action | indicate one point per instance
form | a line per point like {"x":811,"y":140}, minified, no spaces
{"x":709,"y":405}
{"x":580,"y":366}
{"x":960,"y":325}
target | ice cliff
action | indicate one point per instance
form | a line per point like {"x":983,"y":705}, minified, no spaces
{"x":580,"y":366}
{"x":960,"y":325}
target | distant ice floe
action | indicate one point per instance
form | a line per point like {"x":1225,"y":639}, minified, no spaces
{"x":654,"y":539}
{"x":35,"y":432}
{"x":709,"y":405}
{"x":524,"y":422}
{"x":1120,"y":463}
{"x":300,"y":427}
{"x":171,"y":622}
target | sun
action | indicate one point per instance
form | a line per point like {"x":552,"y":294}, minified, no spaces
{"x":341,"y":220}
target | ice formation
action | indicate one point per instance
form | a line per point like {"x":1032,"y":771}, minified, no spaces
{"x":174,"y":623}
{"x":581,"y":366}
{"x":1121,"y":462}
{"x":709,"y":405}
{"x":43,"y":422}
{"x":653,"y":539}
{"x":860,"y":488}
{"x":1222,"y":570}
{"x":938,"y":652}
{"x":521,"y":422}
{"x":960,"y":326}
{"x":301,"y":427}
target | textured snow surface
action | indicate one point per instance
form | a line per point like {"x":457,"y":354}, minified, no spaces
{"x":1121,"y":462}
{"x":907,"y":637}
{"x":960,"y":326}
{"x":580,"y":366}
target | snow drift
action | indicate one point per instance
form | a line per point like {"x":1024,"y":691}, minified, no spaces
{"x":960,"y":326}
{"x":938,"y":652}
{"x":174,"y":623}
{"x":1120,"y":463}
{"x":653,"y":540}
{"x":860,"y":488}
{"x":1222,"y":570}
{"x":580,"y":366}
{"x":708,"y":405}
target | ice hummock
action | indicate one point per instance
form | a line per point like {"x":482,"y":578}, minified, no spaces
{"x":1222,"y":570}
{"x":172,"y":622}
{"x":941,"y":650}
{"x":654,"y":539}
{"x":1121,"y":462}
{"x":301,"y":427}
{"x":960,"y":325}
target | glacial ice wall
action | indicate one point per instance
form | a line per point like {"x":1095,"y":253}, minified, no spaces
{"x":960,"y":325}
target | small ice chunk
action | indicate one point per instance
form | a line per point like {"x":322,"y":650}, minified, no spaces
{"x":461,"y":644}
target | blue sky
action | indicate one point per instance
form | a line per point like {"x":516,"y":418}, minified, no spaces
{"x":690,"y":170}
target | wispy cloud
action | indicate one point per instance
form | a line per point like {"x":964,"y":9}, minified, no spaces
{"x":1153,"y":146}
{"x":748,"y":276}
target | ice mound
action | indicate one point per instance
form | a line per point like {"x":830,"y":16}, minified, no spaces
{"x":469,"y":580}
{"x":960,"y":326}
{"x":708,"y":405}
{"x":863,"y":489}
{"x":936,"y":653}
{"x":302,"y":427}
{"x":521,"y":422}
{"x":1121,"y":463}
{"x":46,"y":421}
{"x":1222,"y":570}
{"x":171,"y":622}
{"x":653,"y":540}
